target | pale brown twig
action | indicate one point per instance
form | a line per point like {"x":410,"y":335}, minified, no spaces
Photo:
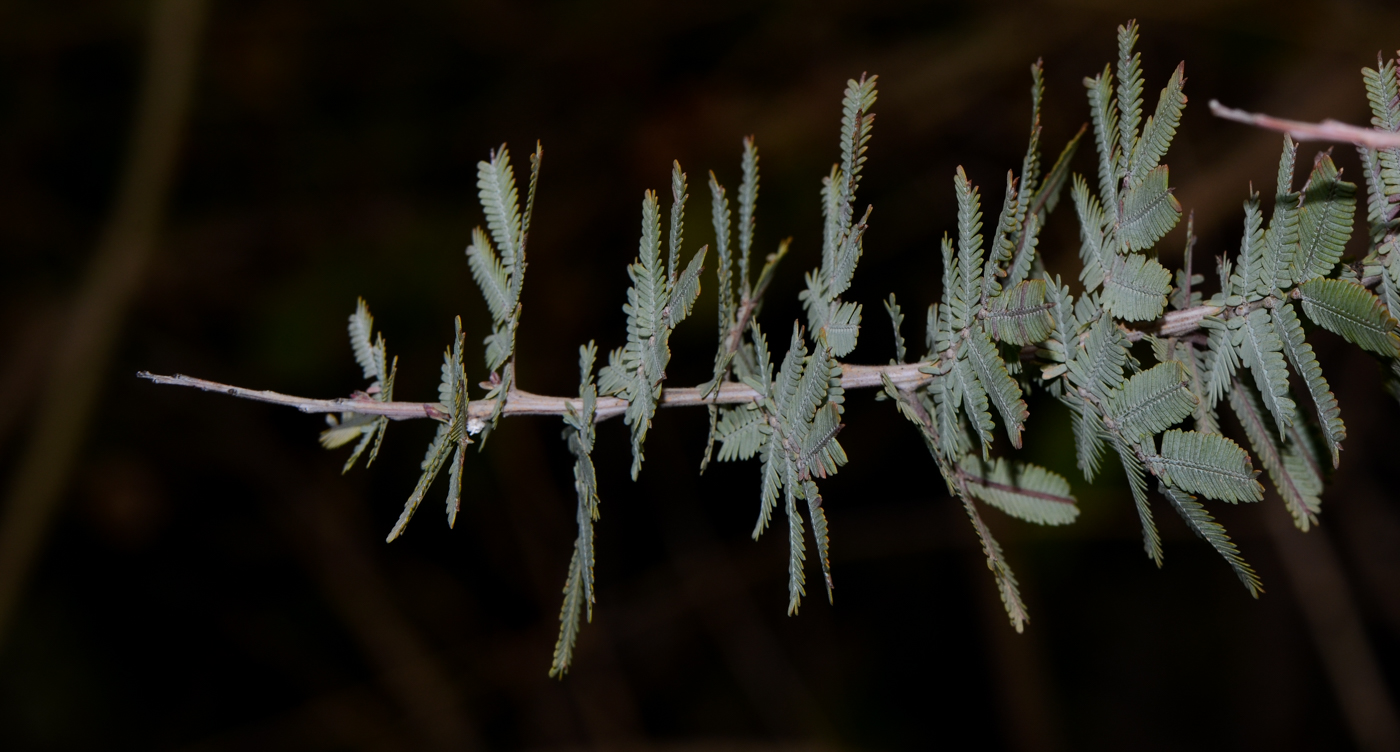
{"x":1327,"y":130}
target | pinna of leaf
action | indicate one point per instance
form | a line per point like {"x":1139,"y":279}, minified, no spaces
{"x":997,"y":310}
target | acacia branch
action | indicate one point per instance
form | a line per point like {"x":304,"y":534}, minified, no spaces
{"x":906,"y":377}
{"x":1327,"y":130}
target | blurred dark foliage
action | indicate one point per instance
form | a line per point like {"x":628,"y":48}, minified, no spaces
{"x":214,"y":584}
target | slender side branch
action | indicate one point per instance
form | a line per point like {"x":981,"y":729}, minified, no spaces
{"x":1327,"y":130}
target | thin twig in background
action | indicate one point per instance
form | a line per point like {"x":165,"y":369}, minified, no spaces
{"x":112,"y":279}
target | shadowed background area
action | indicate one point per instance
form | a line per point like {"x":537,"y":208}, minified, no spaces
{"x":208,"y":581}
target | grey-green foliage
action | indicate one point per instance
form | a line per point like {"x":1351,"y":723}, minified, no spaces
{"x":792,"y":426}
{"x":373,"y":357}
{"x":578,"y":587}
{"x":500,"y":271}
{"x":661,"y":296}
{"x":987,"y":299}
{"x":997,"y":308}
{"x":1090,"y":353}
{"x":1382,"y":169}
{"x":1135,"y":206}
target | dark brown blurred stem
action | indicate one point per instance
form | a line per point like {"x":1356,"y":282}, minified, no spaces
{"x":112,"y":279}
{"x":1338,"y":633}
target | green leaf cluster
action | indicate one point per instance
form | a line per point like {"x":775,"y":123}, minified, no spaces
{"x":660,"y":297}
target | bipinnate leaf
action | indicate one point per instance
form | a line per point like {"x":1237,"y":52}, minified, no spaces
{"x":1136,"y":287}
{"x":1020,"y":315}
{"x":1022,"y":490}
{"x":1149,"y":212}
{"x":1300,"y":354}
{"x":1207,"y":464}
{"x":1194,"y":514}
{"x":1324,"y":222}
{"x":1348,"y":309}
{"x":1151,"y":401}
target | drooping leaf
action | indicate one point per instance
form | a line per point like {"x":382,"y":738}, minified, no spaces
{"x":1137,"y":483}
{"x":996,"y":561}
{"x":1021,"y":490}
{"x":820,"y":534}
{"x":796,"y":548}
{"x":1352,"y":311}
{"x":1293,"y":479}
{"x":1207,"y":529}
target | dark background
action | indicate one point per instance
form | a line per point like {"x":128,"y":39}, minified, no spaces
{"x":213,"y":583}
